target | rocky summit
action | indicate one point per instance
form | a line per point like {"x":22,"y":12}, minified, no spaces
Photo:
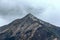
{"x":29,"y":28}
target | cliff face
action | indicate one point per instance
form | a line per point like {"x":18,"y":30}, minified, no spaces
{"x":29,"y":28}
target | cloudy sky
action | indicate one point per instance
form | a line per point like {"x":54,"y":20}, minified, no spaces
{"x":47,"y":10}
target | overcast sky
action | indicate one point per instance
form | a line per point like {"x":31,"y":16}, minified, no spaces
{"x":47,"y":10}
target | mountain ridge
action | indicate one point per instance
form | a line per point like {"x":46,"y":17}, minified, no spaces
{"x":29,"y":28}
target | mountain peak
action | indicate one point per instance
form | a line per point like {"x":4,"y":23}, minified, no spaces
{"x":29,"y":15}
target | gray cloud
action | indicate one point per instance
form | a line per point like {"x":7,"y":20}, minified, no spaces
{"x":43,"y":9}
{"x":12,"y":9}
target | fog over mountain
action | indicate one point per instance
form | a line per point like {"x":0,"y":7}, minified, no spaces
{"x":47,"y":10}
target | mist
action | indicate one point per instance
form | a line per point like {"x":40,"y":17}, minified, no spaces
{"x":47,"y":10}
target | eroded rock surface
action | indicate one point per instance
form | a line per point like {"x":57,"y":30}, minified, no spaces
{"x":29,"y":28}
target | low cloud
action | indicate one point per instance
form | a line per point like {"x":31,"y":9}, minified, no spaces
{"x":43,"y":9}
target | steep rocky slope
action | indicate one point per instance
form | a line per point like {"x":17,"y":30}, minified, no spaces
{"x":29,"y":28}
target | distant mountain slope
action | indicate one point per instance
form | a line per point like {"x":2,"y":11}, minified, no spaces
{"x":29,"y":28}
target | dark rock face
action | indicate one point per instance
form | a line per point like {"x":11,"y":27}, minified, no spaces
{"x":29,"y":28}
